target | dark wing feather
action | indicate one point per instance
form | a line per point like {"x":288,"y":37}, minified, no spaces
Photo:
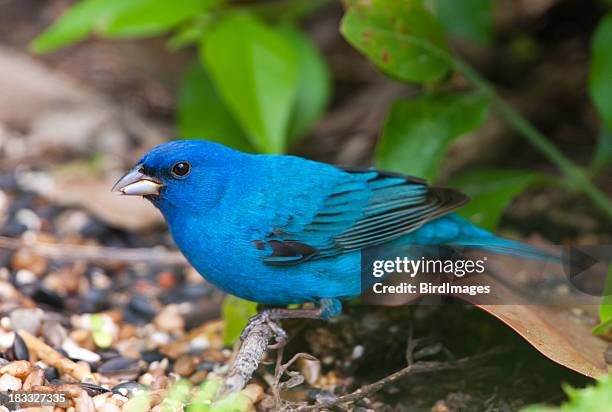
{"x":368,"y":208}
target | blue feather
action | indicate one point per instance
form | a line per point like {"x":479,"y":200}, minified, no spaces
{"x":282,"y":229}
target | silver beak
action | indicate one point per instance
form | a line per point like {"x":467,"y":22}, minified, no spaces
{"x":136,"y":183}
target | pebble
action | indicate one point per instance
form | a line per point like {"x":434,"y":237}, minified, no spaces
{"x":184,"y":366}
{"x":146,"y":379}
{"x":129,"y":388}
{"x":160,"y":338}
{"x":170,"y":319}
{"x":141,"y":307}
{"x":358,"y":351}
{"x":71,"y":222}
{"x":7,"y":291}
{"x":54,"y":333}
{"x":150,"y":356}
{"x":84,"y":403}
{"x":76,"y":352}
{"x":6,"y":340}
{"x":25,"y":277}
{"x":4,"y":205}
{"x":51,"y":373}
{"x":99,"y":279}
{"x":199,"y":344}
{"x":20,"y":349}
{"x":311,"y":369}
{"x":198,"y":377}
{"x":108,"y":407}
{"x":27,"y":319}
{"x":101,"y":399}
{"x":159,"y":368}
{"x":123,"y":367}
{"x":35,"y":378}
{"x":26,"y":259}
{"x":9,"y":383}
{"x":45,"y":296}
{"x":19,"y":369}
{"x":29,"y":219}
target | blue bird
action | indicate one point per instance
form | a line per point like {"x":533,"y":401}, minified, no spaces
{"x":281,"y":230}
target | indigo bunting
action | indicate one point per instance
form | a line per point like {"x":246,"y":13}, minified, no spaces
{"x":281,"y":230}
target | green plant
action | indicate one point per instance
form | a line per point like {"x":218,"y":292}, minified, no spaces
{"x":405,"y":41}
{"x":259,"y":84}
{"x":590,"y":399}
{"x":182,"y":395}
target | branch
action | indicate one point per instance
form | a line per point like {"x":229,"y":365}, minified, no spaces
{"x":251,"y":352}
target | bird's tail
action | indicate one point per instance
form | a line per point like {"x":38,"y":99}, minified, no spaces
{"x":515,"y":248}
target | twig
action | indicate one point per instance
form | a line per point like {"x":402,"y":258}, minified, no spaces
{"x":251,"y":352}
{"x":92,"y":253}
{"x":282,"y":368}
{"x":53,"y":358}
{"x":412,"y":369}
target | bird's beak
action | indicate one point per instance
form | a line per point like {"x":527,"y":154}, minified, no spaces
{"x":136,"y":183}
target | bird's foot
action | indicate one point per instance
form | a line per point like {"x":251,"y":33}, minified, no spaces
{"x":266,"y":318}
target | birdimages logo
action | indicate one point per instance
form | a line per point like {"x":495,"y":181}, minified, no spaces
{"x":476,"y":274}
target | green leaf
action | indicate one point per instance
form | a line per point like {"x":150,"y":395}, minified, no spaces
{"x":401,"y":37}
{"x":589,"y":399}
{"x":139,"y":403}
{"x":102,"y":330}
{"x":236,"y":313}
{"x":603,"y":151}
{"x":153,"y":17}
{"x":468,"y":19}
{"x":254,"y":68}
{"x":419,"y":130}
{"x":207,"y":391}
{"x":605,"y":307}
{"x":177,"y":396}
{"x":118,"y":18}
{"x":490,"y":191}
{"x":77,"y":23}
{"x":314,"y":83}
{"x":202,"y":113}
{"x":600,"y":76}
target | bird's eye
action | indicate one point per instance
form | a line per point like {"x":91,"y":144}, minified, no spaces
{"x":181,"y":169}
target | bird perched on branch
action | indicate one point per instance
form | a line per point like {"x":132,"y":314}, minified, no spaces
{"x":281,"y":230}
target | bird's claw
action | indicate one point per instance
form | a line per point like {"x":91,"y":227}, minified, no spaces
{"x":260,"y":319}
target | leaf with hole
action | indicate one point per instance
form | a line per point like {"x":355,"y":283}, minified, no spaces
{"x":401,"y":37}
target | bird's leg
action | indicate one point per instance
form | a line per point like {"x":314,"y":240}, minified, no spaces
{"x":328,"y":308}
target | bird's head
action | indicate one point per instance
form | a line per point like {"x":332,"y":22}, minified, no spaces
{"x":181,"y":175}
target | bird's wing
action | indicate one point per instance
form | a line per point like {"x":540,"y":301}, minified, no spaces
{"x":366,"y":208}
